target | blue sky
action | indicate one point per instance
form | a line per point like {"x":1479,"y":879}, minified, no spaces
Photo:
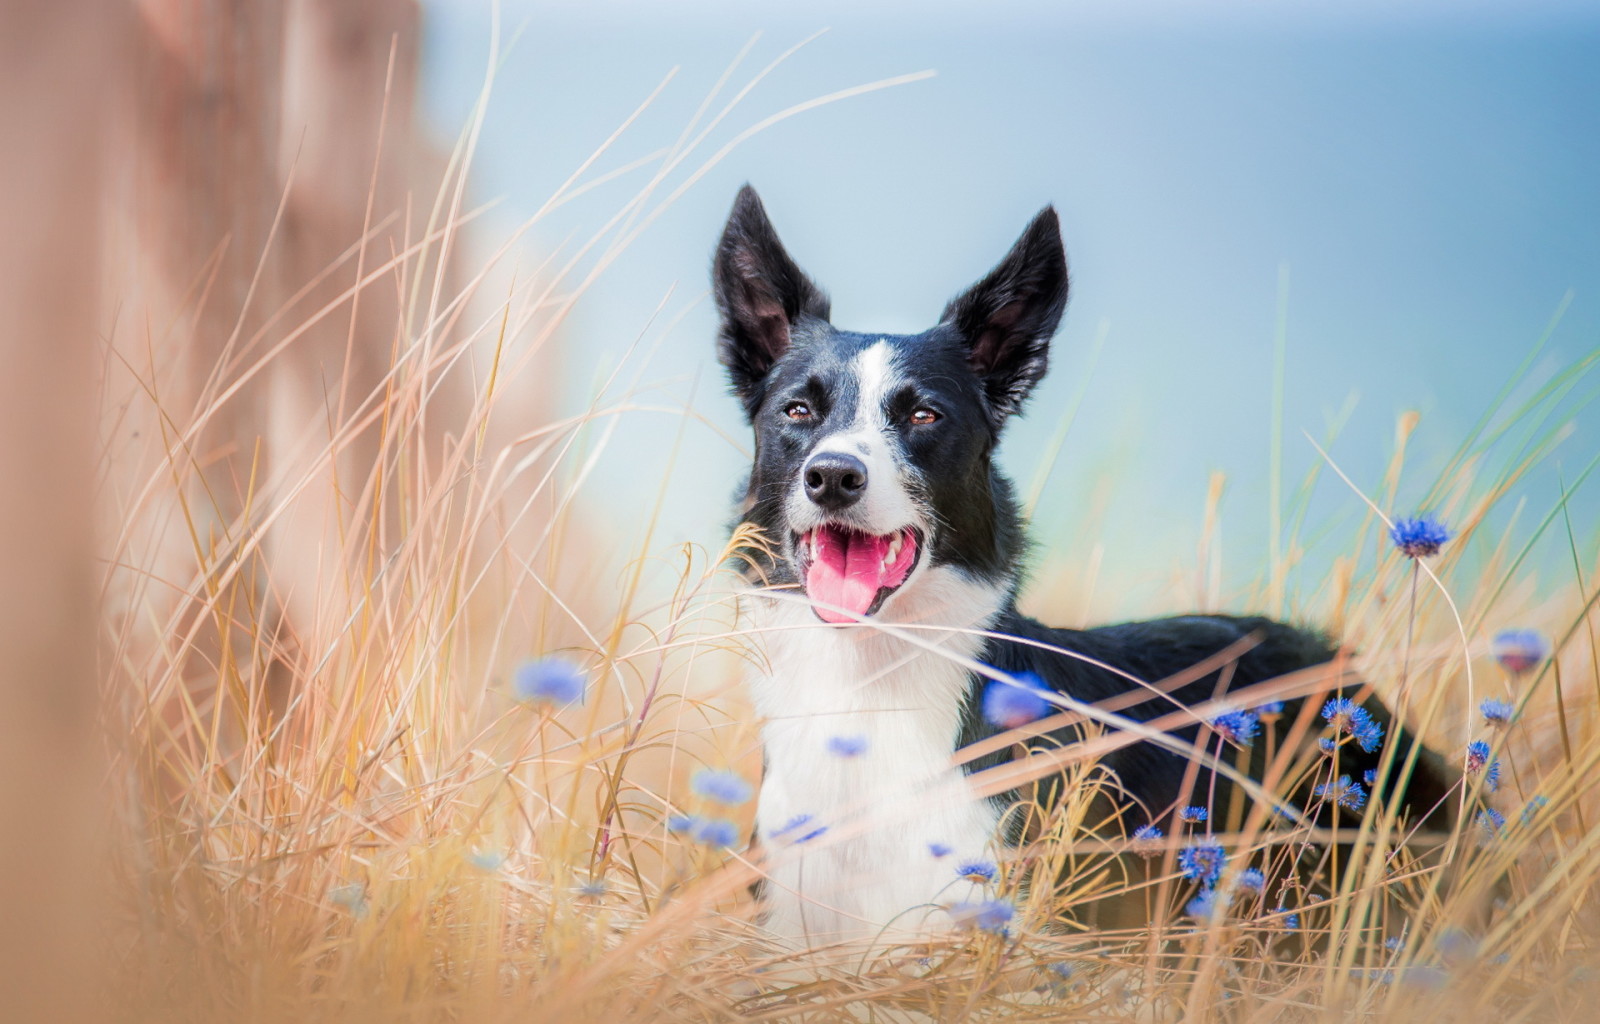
{"x":1429,"y":175}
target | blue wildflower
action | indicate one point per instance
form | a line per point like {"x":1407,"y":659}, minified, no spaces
{"x":1490,"y":821}
{"x":1010,"y":705}
{"x":1370,"y":777}
{"x":1065,"y":978}
{"x":1368,"y":732}
{"x":1194,"y":813}
{"x":1328,"y":745}
{"x":1496,"y":712}
{"x":682,"y":822}
{"x":1252,"y":879}
{"x":1205,"y":906}
{"x":1147,"y":839}
{"x":1394,"y":943}
{"x":1290,"y":921}
{"x":549,"y":680}
{"x":1202,"y":862}
{"x":976,"y":871}
{"x":1419,"y":537}
{"x":939,"y":850}
{"x":1237,"y":727}
{"x":1346,"y":716}
{"x":1344,"y":791}
{"x":722,"y":786}
{"x":716,"y":832}
{"x":847,"y":746}
{"x":799,"y":829}
{"x":989,"y":915}
{"x":1518,"y":650}
{"x":1535,"y":805}
{"x":1271,"y":707}
{"x":1478,"y":760}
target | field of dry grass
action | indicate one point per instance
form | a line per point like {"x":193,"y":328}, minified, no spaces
{"x":332,"y":799}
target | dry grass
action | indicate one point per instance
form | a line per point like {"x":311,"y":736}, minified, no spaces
{"x":342,"y":813}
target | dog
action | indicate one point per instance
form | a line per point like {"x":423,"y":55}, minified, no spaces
{"x":884,"y":587}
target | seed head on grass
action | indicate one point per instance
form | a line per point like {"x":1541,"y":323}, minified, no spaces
{"x":1011,"y":705}
{"x":723,"y":787}
{"x":1420,"y":537}
{"x":550,"y":680}
{"x":1518,"y":650}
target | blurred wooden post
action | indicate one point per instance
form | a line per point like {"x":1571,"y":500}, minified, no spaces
{"x":60,"y":61}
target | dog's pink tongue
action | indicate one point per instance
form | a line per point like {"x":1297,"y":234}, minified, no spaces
{"x":846,"y":573}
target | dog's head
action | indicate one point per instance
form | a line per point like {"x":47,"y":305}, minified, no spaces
{"x":872,"y":462}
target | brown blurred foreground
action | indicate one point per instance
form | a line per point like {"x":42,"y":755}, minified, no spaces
{"x":176,"y":177}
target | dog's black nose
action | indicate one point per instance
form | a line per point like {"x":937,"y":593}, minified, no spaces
{"x":835,"y":480}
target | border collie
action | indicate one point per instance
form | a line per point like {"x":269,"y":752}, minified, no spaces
{"x":887,"y":572}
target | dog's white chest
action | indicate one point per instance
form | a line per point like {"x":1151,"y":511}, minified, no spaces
{"x":859,"y":731}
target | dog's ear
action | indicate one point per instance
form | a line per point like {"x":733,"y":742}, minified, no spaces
{"x":760,"y":295}
{"x":1009,"y":317}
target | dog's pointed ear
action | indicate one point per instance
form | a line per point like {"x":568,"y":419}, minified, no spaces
{"x":1009,"y":317}
{"x":761,"y":295}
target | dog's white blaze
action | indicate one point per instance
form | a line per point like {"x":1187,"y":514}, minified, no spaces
{"x":887,"y":505}
{"x":872,"y":874}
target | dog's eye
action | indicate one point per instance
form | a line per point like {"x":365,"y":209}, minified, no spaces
{"x":921,"y":416}
{"x":797,"y":411}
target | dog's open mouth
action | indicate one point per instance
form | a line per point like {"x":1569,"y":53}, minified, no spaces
{"x":849,"y":574}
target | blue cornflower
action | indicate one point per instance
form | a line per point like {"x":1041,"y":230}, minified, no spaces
{"x":1394,"y":943}
{"x":799,"y":829}
{"x":1344,"y":791}
{"x":1328,"y":745}
{"x":1291,"y":921}
{"x":1368,"y":732}
{"x":1237,"y":727}
{"x":1271,"y":707}
{"x":1496,"y":712}
{"x":1518,"y":650}
{"x":1252,"y":879}
{"x":1345,"y":715}
{"x":847,"y":746}
{"x":1491,"y":822}
{"x":682,"y":822}
{"x":1146,"y":839}
{"x":1419,"y":537}
{"x":1202,"y":862}
{"x":939,"y":850}
{"x":1010,"y":705}
{"x":989,"y":915}
{"x":976,"y":871}
{"x":1194,"y":814}
{"x":1478,"y":760}
{"x":549,"y":680}
{"x":716,"y":832}
{"x":722,"y":786}
{"x":1370,"y":777}
{"x":1205,"y":906}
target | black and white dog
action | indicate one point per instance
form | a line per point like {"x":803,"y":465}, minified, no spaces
{"x":891,"y":563}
